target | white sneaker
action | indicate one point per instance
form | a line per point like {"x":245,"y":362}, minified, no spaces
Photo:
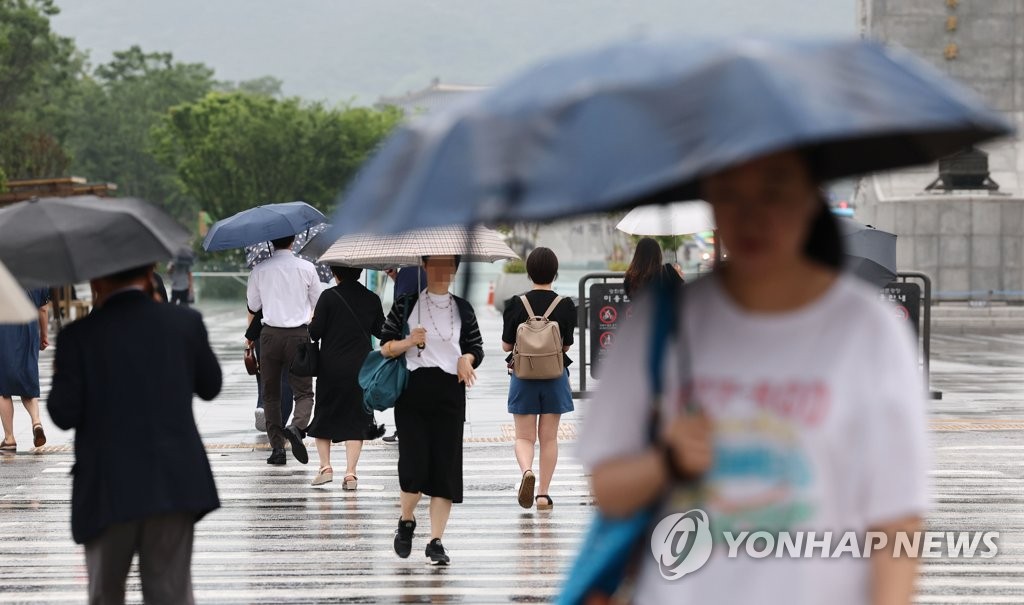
{"x":261,"y":420}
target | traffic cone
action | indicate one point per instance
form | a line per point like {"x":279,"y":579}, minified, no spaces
{"x":490,"y":295}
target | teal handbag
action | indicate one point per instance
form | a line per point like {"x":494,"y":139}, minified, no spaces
{"x":383,"y":379}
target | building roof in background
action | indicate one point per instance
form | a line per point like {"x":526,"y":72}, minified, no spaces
{"x":434,"y":97}
{"x":19,"y":190}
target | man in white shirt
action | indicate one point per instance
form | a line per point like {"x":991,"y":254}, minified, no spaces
{"x":286,"y":288}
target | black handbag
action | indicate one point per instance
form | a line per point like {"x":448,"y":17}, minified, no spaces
{"x":307,"y":359}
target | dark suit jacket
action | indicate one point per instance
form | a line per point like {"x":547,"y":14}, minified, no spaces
{"x":123,"y":379}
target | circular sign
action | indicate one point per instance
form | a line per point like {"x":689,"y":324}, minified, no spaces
{"x":606,"y":339}
{"x":608,"y":315}
{"x":902,"y":312}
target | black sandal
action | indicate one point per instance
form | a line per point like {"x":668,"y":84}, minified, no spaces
{"x":550,"y":504}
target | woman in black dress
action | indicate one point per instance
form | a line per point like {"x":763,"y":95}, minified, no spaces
{"x":345,"y":318}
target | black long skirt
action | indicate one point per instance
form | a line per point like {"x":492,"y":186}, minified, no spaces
{"x":430,"y":416}
{"x":339,"y":414}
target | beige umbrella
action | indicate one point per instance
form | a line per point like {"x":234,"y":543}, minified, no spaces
{"x":406,"y":249}
{"x":15,"y":307}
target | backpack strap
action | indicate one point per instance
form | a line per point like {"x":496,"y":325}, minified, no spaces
{"x":529,"y":309}
{"x":554,"y":305}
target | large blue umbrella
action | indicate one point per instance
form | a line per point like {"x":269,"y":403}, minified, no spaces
{"x":262,"y":224}
{"x":643,"y":122}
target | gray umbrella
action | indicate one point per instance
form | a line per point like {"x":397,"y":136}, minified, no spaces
{"x":54,"y":241}
{"x":870,"y":252}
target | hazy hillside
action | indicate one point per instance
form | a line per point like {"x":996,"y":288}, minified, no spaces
{"x":336,"y":49}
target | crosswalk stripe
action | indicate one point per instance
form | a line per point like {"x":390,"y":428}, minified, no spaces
{"x":272,"y":517}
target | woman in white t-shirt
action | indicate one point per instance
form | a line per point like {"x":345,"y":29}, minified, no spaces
{"x":442,"y":351}
{"x":813,"y":410}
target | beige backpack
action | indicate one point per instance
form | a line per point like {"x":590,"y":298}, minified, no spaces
{"x":538,"y":351}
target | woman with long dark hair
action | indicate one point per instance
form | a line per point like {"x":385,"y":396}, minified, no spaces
{"x":647,"y":267}
{"x":811,"y":408}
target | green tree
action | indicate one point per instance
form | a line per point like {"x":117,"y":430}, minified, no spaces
{"x":38,"y":72}
{"x":267,"y":86}
{"x":118,"y":106}
{"x":234,"y":151}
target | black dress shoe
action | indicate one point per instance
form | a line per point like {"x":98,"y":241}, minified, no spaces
{"x":278,"y":457}
{"x":294,"y":436}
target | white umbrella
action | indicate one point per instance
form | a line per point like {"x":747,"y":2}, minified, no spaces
{"x":680,"y":218}
{"x":15,"y":307}
{"x":407,"y":249}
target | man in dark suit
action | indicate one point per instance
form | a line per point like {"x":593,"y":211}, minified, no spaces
{"x":124,"y":377}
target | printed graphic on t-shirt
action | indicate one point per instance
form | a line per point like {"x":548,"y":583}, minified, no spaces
{"x":762,"y":477}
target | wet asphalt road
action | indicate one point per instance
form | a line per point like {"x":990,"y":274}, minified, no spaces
{"x":278,"y":540}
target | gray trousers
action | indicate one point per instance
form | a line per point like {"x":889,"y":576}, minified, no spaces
{"x":277,"y":350}
{"x":164,"y":544}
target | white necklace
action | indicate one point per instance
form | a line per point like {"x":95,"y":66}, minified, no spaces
{"x":451,"y":313}
{"x":436,"y":305}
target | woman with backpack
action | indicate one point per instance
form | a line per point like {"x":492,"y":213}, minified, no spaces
{"x":538,"y":330}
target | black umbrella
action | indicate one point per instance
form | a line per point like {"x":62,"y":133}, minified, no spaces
{"x":52,"y":241}
{"x":870,"y":252}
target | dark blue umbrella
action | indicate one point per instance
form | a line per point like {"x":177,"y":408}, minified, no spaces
{"x":643,"y":122}
{"x":262,"y":224}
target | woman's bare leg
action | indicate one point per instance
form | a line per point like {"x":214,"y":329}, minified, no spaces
{"x":32,"y":407}
{"x":409,"y":502}
{"x":440,"y":511}
{"x":323,"y":449}
{"x":548,"y":449}
{"x":353,"y":449}
{"x":526,"y":440}
{"x":7,"y":418}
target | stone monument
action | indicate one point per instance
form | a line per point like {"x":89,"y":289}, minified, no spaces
{"x":964,"y":232}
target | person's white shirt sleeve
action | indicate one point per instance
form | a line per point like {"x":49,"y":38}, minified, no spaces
{"x":313,"y":289}
{"x":252,"y":292}
{"x":896,"y":432}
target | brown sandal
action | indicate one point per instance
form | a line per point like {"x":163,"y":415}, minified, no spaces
{"x":550,"y":504}
{"x":39,"y":437}
{"x":8,"y":447}
{"x":526,"y":489}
